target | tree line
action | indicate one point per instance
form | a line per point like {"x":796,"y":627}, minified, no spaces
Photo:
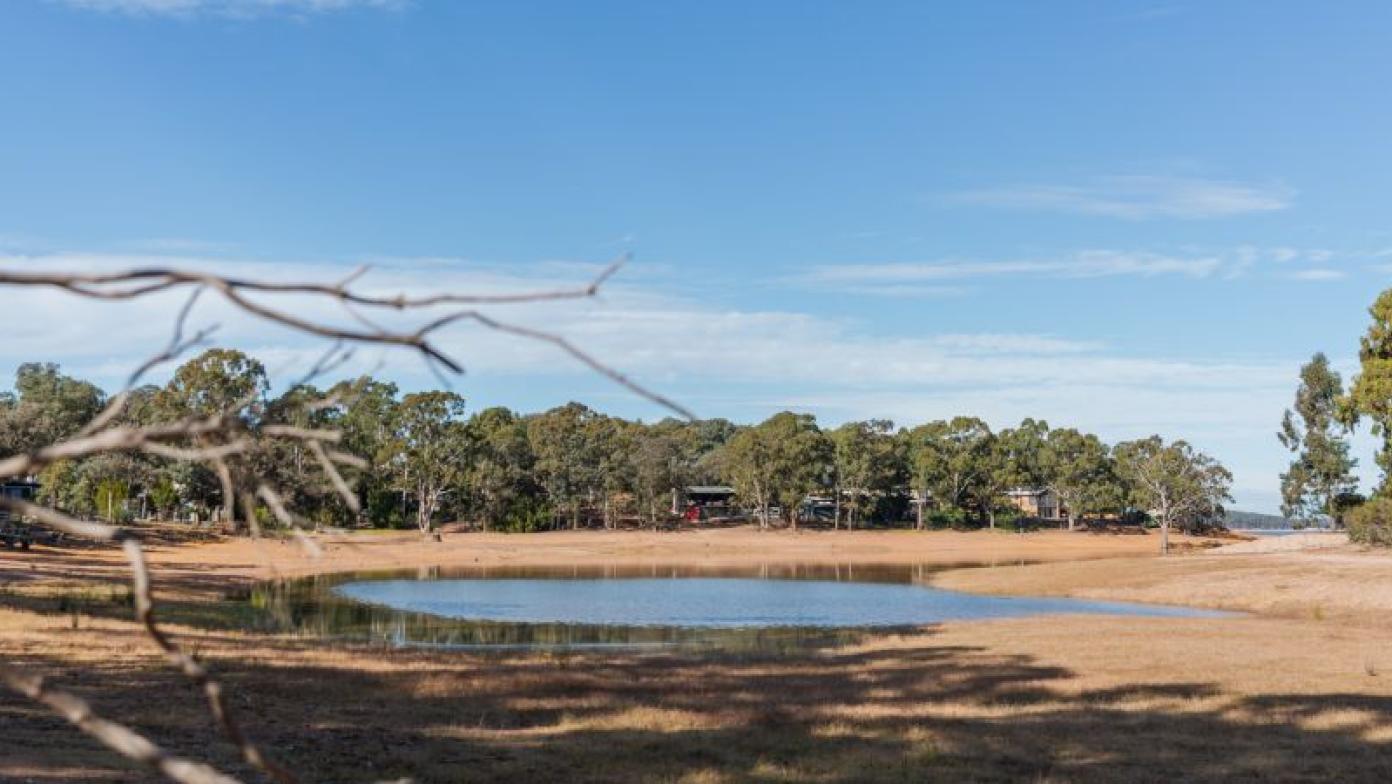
{"x":426,"y":459}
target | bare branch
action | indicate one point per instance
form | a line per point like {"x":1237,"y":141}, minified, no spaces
{"x":331,"y":471}
{"x":119,"y":738}
{"x":145,"y":614}
{"x":289,"y":520}
{"x":135,"y":283}
{"x":60,"y":522}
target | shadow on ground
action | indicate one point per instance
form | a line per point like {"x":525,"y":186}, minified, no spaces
{"x":903,"y":709}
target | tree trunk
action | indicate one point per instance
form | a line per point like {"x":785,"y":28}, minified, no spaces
{"x":1165,"y":535}
{"x":1072,"y":520}
{"x":919,"y":509}
{"x":836,"y":512}
{"x":991,"y":516}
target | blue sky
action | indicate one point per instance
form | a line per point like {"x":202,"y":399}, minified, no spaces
{"x":1129,"y":217}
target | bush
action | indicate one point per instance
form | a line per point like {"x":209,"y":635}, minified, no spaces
{"x":1371,"y":523}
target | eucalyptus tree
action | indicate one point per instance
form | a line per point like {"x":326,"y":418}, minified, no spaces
{"x":1371,"y":393}
{"x":702,"y":442}
{"x":431,"y":450}
{"x":609,"y":442}
{"x":868,"y":466}
{"x":500,"y":476}
{"x":1321,"y":472}
{"x":364,"y":411}
{"x":1173,"y":482}
{"x":659,"y":462}
{"x":46,"y":406}
{"x":567,"y":466}
{"x":1011,"y":459}
{"x":1078,"y":468}
{"x":779,"y":461}
{"x":950,"y":461}
{"x":215,"y":381}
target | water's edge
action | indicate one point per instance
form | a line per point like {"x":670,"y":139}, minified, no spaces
{"x":348,"y":606}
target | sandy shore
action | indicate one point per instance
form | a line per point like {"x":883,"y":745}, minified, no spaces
{"x":232,"y":561}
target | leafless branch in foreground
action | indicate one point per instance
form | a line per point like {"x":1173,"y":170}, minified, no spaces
{"x":218,"y":439}
{"x":119,"y":738}
{"x":145,"y":614}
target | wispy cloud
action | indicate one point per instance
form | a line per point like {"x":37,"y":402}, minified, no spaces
{"x":1137,"y":197}
{"x":228,"y":8}
{"x":944,"y":278}
{"x":869,"y":278}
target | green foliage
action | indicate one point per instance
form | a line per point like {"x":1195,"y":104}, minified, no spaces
{"x":951,"y":461}
{"x":778,"y":462}
{"x":1322,"y":469}
{"x":432,"y":450}
{"x":501,"y":472}
{"x":507,"y":471}
{"x":526,"y":514}
{"x":1176,"y":484}
{"x":869,"y":467}
{"x":1371,"y":523}
{"x":48,"y":407}
{"x":217,"y":380}
{"x":164,"y":496}
{"x":1080,"y":470}
{"x":1371,"y":393}
{"x":110,"y":499}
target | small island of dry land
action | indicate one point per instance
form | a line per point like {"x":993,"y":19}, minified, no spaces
{"x":1297,"y":686}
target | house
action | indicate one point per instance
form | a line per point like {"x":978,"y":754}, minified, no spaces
{"x":704,"y":502}
{"x":1042,"y":503}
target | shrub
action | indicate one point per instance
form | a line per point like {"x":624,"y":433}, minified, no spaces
{"x":1371,"y":523}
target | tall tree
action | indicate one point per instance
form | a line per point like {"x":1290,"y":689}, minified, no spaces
{"x":950,"y":460}
{"x":1012,"y":459}
{"x":47,"y":408}
{"x":1371,"y":395}
{"x":1078,"y":468}
{"x":364,"y":411}
{"x":1322,"y":470}
{"x":501,"y":473}
{"x":215,"y":381}
{"x":868,"y":466}
{"x":567,"y":463}
{"x":658,"y":464}
{"x":432,"y":450}
{"x":1173,"y":482}
{"x":779,"y":461}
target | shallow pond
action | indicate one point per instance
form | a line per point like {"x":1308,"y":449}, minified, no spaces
{"x":759,"y":608}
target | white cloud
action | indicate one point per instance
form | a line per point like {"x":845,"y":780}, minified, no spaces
{"x":720,"y":361}
{"x":228,"y":8}
{"x":875,"y":278}
{"x":927,"y":278}
{"x":1137,"y":197}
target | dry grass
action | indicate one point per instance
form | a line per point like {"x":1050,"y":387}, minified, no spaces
{"x":1041,"y":699}
{"x":1345,"y":584}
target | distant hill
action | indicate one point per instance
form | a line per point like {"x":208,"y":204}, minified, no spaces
{"x":1266,"y":522}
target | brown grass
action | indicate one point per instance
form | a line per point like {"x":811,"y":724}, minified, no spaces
{"x":1040,"y":699}
{"x":1346,"y":584}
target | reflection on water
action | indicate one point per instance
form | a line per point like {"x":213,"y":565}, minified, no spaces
{"x":735,"y":609}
